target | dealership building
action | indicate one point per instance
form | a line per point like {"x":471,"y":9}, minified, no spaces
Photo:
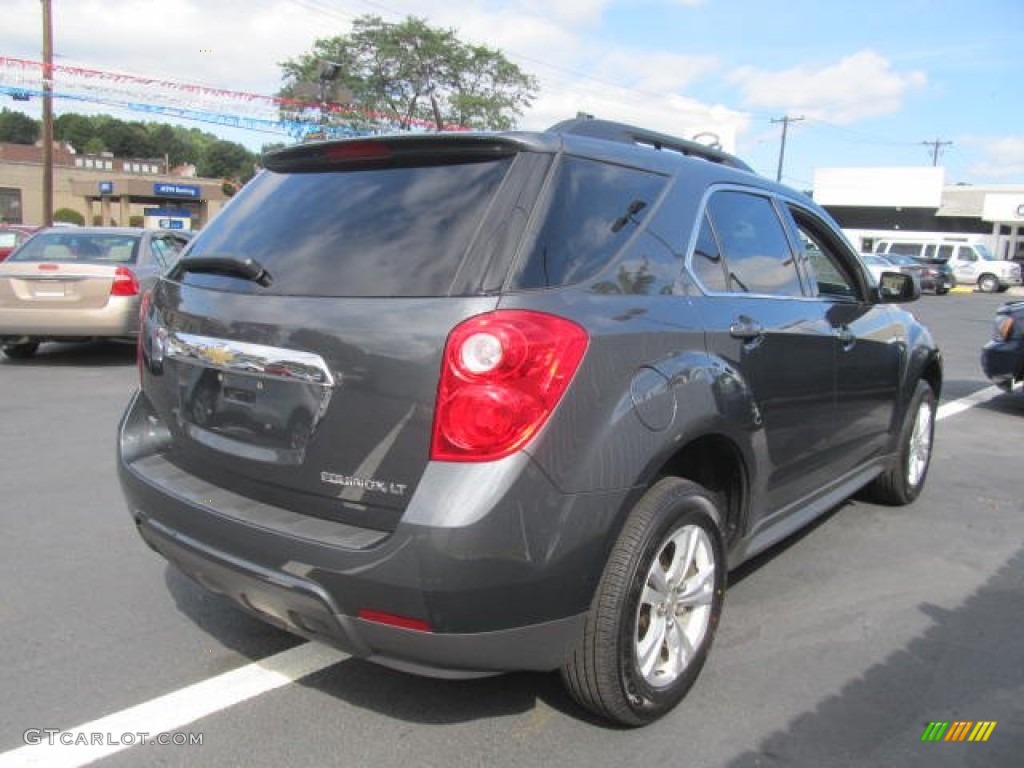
{"x":106,"y":190}
{"x":870,"y":203}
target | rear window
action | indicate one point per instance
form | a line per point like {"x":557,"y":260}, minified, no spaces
{"x":92,"y":247}
{"x":386,"y":232}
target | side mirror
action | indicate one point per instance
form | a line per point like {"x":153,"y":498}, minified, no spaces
{"x":896,"y":287}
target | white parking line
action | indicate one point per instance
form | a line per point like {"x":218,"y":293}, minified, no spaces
{"x":958,"y":406}
{"x":76,"y":747}
{"x":166,"y":714}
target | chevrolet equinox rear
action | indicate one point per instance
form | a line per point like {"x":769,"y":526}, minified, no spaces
{"x":462,"y":404}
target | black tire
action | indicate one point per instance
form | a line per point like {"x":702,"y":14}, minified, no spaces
{"x":941,"y":291}
{"x":902,"y":483}
{"x":22,"y":351}
{"x":603,"y":673}
{"x":988,"y":283}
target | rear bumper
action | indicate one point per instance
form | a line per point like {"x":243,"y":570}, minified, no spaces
{"x":1003,"y":362}
{"x":305,"y":608}
{"x":118,"y":318}
{"x":502,"y":584}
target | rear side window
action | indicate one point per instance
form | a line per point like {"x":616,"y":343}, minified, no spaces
{"x":400,"y":231}
{"x":595,"y":208}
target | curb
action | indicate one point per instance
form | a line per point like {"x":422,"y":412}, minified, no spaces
{"x":1012,"y":291}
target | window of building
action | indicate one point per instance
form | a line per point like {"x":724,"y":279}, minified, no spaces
{"x":10,"y":205}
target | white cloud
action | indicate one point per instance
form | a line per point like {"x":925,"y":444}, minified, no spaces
{"x":654,"y":72}
{"x":857,"y":87}
{"x":1002,"y":157}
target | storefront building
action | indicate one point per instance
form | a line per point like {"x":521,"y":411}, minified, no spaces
{"x":870,"y":203}
{"x":105,"y":190}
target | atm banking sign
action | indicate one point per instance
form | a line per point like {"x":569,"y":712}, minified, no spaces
{"x":176,"y":190}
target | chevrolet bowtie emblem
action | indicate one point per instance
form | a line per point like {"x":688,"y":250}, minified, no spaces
{"x":218,"y":355}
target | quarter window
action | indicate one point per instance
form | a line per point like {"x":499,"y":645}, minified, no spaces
{"x":594,"y":211}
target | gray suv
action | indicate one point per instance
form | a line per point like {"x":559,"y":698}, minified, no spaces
{"x":470,"y":403}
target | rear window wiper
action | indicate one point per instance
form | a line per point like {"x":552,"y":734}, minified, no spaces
{"x":250,"y":269}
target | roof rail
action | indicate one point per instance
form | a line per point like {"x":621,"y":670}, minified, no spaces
{"x":630,"y":134}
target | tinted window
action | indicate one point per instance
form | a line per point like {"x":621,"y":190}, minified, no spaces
{"x":390,"y":232}
{"x":707,"y":263}
{"x":907,"y":249}
{"x":757,"y":254}
{"x":594,"y":210}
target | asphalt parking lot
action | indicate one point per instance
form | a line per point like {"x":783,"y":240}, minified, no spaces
{"x":837,"y":648}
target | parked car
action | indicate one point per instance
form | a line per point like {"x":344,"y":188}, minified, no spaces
{"x":79,"y":283}
{"x":1002,"y":358}
{"x":557,"y":384}
{"x":936,"y":277}
{"x":971,"y":263}
{"x":877,"y":265}
{"x":13,"y":235}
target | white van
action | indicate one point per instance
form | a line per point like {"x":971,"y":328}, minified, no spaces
{"x":972,"y":263}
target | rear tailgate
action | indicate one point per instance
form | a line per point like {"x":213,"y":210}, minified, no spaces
{"x":294,"y":353}
{"x":318,"y":405}
{"x":49,"y":286}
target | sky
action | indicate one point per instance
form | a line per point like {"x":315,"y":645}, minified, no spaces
{"x":867,"y":83}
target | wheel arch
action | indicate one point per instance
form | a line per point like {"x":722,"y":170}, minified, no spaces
{"x":716,"y":462}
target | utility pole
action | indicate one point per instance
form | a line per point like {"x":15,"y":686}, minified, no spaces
{"x":785,"y":120}
{"x":936,"y":146}
{"x":47,"y":115}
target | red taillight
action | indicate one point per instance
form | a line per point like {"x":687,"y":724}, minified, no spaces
{"x":502,"y":375}
{"x":391,"y":619}
{"x":125,"y":283}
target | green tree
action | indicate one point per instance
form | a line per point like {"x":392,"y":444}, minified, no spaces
{"x":69,"y":216}
{"x":18,"y":128}
{"x":78,"y":130}
{"x":94,"y":146}
{"x":409,"y":74}
{"x":227,"y":160}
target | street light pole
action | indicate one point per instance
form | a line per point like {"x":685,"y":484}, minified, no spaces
{"x":47,"y":114}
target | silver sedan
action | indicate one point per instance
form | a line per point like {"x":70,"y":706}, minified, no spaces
{"x":79,"y":283}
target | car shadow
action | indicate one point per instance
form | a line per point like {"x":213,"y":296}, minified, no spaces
{"x":965,"y":667}
{"x":370,"y":686}
{"x":405,"y":696}
{"x":1009,"y":403}
{"x":954,"y":389}
{"x":100,"y":354}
